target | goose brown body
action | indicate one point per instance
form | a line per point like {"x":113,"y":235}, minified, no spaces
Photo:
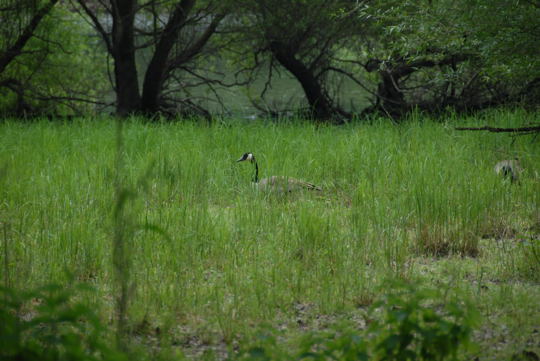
{"x":286,"y":184}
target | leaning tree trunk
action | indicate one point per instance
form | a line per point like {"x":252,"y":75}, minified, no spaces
{"x":319,"y":104}
{"x":125,"y":69}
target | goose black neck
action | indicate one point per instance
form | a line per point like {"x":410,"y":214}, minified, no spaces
{"x":256,"y":177}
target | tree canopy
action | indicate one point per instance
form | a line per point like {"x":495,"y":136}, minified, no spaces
{"x":194,"y":57}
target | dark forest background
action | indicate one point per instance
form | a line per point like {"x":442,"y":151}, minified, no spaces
{"x":326,"y":60}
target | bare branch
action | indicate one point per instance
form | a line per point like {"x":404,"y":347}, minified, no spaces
{"x":97,"y":24}
{"x":195,"y":48}
{"x":502,"y":130}
{"x":352,"y":77}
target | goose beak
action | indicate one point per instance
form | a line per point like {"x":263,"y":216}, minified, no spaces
{"x":239,"y":160}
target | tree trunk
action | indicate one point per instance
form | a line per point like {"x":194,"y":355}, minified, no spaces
{"x":125,"y":69}
{"x":157,"y":69}
{"x":318,"y":102}
{"x":392,"y":100}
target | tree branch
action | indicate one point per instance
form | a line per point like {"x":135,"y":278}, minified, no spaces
{"x":195,"y":48}
{"x":102,"y":32}
{"x":16,"y":49}
{"x":502,"y":130}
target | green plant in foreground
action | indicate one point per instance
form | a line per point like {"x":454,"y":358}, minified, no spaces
{"x":407,"y":324}
{"x":45,"y":324}
{"x":415,"y":325}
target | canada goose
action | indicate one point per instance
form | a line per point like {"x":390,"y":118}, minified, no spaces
{"x":277,"y":183}
{"x":509,"y":168}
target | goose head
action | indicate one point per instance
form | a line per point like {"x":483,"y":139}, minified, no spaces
{"x":247,"y":156}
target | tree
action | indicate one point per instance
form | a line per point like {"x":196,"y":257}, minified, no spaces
{"x":507,"y":34}
{"x":302,"y":37}
{"x":464,"y":55}
{"x":19,"y":20}
{"x":50,"y":66}
{"x":418,"y":51}
{"x":149,"y":27}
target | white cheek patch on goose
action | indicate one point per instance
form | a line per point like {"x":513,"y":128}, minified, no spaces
{"x":249,"y":157}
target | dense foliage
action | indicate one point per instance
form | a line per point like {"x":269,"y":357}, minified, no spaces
{"x":465,"y":55}
{"x":59,"y":70}
{"x":196,"y":56}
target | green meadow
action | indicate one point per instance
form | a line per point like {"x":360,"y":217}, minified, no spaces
{"x":211,"y":261}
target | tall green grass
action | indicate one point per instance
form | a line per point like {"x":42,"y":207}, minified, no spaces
{"x":209,"y":251}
